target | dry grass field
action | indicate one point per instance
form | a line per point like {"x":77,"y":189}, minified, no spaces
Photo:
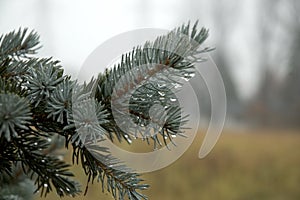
{"x":244,"y":165}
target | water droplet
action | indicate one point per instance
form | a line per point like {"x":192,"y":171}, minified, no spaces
{"x":176,"y":85}
{"x":49,"y":139}
{"x":161,"y":85}
{"x":43,"y":161}
{"x":173,"y":136}
{"x":185,"y":78}
{"x":173,"y":99}
{"x":126,"y":136}
{"x":161,"y":93}
{"x":68,"y":189}
{"x":35,"y":143}
{"x":45,"y":185}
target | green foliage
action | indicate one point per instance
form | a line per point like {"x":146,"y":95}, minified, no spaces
{"x":16,"y":190}
{"x":39,"y":103}
{"x":42,"y":79}
{"x":14,"y":113}
{"x":19,"y":44}
{"x":148,"y":75}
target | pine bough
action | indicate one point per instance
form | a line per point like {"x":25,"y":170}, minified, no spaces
{"x":38,"y":113}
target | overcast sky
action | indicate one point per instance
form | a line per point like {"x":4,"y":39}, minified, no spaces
{"x":71,"y":30}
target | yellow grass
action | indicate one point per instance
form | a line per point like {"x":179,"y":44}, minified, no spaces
{"x":243,"y":165}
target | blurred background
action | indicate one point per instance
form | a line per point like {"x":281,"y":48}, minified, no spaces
{"x":257,"y":52}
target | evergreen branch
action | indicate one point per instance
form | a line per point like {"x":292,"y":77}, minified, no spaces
{"x":119,"y":180}
{"x":19,"y":43}
{"x":37,"y":103}
{"x":60,"y":102}
{"x":47,"y":170}
{"x":14,"y":113}
{"x":15,"y":186}
{"x":42,"y":79}
{"x":17,"y":69}
{"x":7,"y":155}
{"x":11,"y":86}
{"x":85,"y":127}
{"x":156,"y":68}
{"x":87,"y":118}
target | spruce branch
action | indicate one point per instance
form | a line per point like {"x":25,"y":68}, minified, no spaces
{"x":42,"y":79}
{"x":149,"y":75}
{"x":19,"y":44}
{"x":87,"y":132}
{"x":47,"y":170}
{"x":59,"y":104}
{"x":119,"y":180}
{"x":14,"y":113}
{"x":38,"y":103}
{"x":23,"y":141}
{"x":87,"y":118}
